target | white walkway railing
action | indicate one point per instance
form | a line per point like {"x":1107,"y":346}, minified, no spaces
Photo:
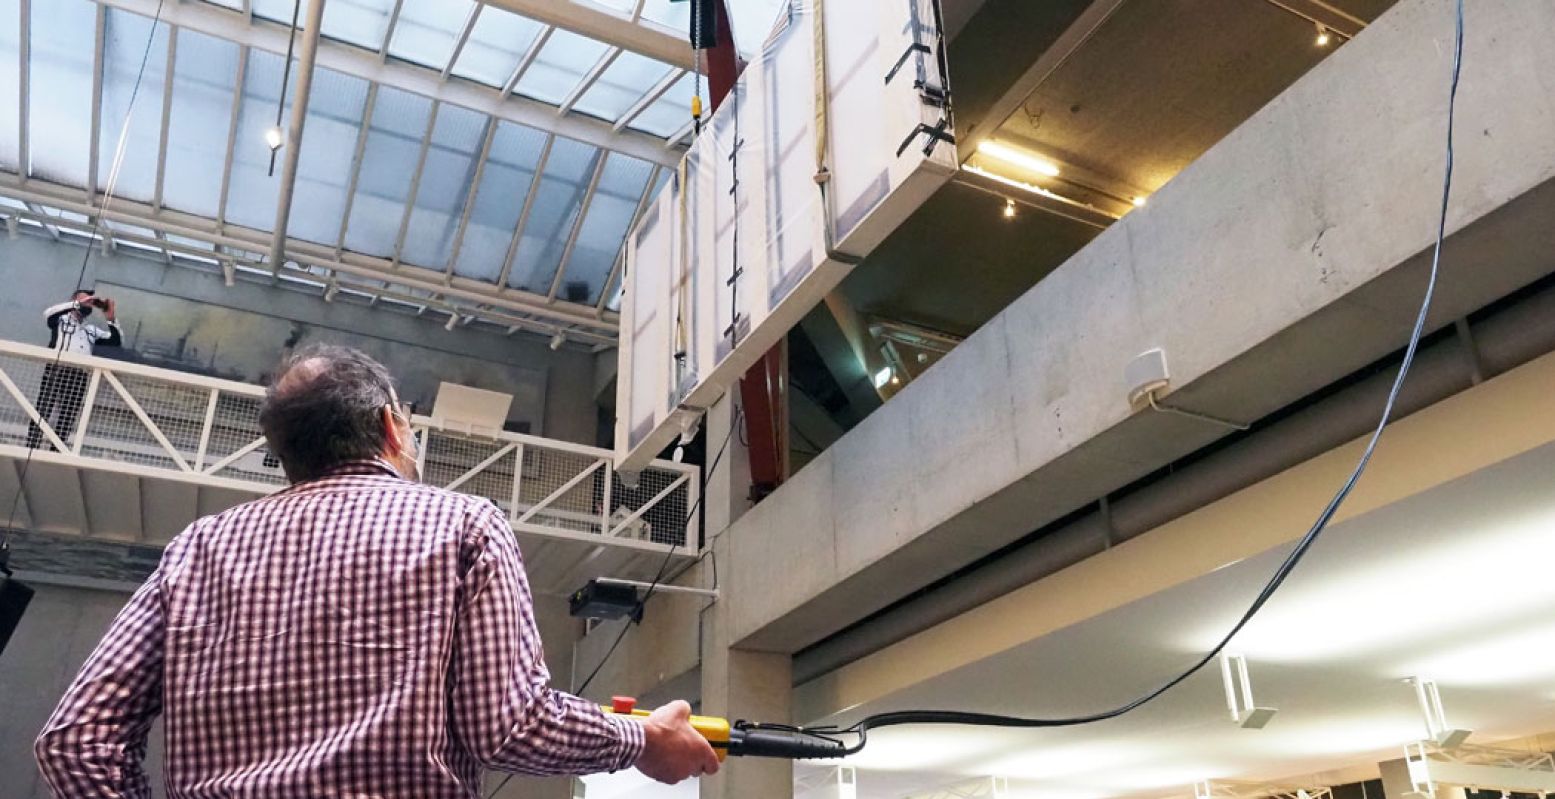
{"x":158,"y":423}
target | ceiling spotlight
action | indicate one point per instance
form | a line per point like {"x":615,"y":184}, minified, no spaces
{"x":1019,"y":158}
{"x":1139,"y":202}
{"x":896,"y":380}
{"x":453,"y":319}
{"x":558,"y":340}
{"x":274,"y":137}
{"x":884,"y":376}
{"x":1009,"y":209}
{"x":1323,"y":36}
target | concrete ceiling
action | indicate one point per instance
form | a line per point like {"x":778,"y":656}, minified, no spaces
{"x":1155,"y":86}
{"x":1451,"y":584}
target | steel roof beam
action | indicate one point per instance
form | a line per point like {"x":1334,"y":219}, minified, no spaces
{"x":369,"y":65}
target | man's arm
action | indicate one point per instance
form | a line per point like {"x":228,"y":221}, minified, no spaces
{"x":94,"y":743}
{"x":112,"y":337}
{"x":503,"y":709}
{"x":52,"y":314}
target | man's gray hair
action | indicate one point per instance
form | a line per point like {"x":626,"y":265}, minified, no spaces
{"x":325,"y":409}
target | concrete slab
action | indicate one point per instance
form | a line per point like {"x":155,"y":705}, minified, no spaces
{"x":1288,"y":256}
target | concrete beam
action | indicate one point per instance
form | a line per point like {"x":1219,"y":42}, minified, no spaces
{"x":1251,"y":260}
{"x":1422,"y":452}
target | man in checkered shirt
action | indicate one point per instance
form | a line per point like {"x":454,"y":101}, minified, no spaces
{"x":355,"y":635}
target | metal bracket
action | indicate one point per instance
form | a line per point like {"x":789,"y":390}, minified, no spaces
{"x":915,"y":47}
{"x":937,"y":133}
{"x":1239,"y":694}
{"x":660,"y":588}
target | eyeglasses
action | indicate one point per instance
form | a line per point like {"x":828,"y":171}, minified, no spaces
{"x":402,"y":409}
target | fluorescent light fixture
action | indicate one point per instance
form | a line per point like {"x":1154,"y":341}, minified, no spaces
{"x":274,"y":137}
{"x":1018,"y":157}
{"x":883,"y":376}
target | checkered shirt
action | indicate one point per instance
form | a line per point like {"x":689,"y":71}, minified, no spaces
{"x":354,"y":636}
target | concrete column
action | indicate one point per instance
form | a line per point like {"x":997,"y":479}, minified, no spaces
{"x":742,"y":684}
{"x":1396,"y":784}
{"x":728,"y":486}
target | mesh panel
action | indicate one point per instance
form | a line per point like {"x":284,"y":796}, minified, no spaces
{"x":236,"y":427}
{"x":116,"y":433}
{"x":662,"y":523}
{"x":26,"y":374}
{"x":577,"y":508}
{"x":449,"y":457}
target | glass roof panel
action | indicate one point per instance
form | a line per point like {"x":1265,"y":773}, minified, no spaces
{"x":363,"y":23}
{"x":204,"y":75}
{"x":445,"y":185}
{"x":562,"y":63}
{"x":604,"y":228}
{"x":621,"y":85}
{"x":510,"y":169}
{"x":10,"y":82}
{"x":382,"y":188}
{"x":129,"y":41}
{"x":252,"y":194}
{"x":497,"y":43}
{"x":328,"y":148}
{"x":427,"y":31}
{"x":557,"y":204}
{"x":60,"y":90}
{"x":752,"y":22}
{"x":670,"y":112}
{"x":623,"y":6}
{"x":675,"y":14}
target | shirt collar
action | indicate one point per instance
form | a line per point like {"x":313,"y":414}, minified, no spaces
{"x":358,"y":468}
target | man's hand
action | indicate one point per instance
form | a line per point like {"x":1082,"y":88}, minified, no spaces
{"x":674,"y":749}
{"x":110,"y":309}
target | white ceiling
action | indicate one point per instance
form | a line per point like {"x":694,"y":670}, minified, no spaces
{"x":1453,"y":584}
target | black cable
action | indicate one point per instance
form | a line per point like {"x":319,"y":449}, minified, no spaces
{"x":668,"y":556}
{"x":86,"y":259}
{"x":862,"y":728}
{"x":286,"y":77}
{"x":691,"y":513}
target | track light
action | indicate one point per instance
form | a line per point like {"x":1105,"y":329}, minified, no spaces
{"x":453,"y":319}
{"x":1019,"y":158}
{"x":1323,"y":36}
{"x":1139,"y":202}
{"x":1009,"y":208}
{"x":558,"y":340}
{"x":274,"y":137}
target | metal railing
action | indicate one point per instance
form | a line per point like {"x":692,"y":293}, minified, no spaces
{"x":111,"y":415}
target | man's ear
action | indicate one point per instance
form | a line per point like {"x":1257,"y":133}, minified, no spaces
{"x":391,"y":430}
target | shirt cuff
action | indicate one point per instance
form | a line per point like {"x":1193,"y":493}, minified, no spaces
{"x":632,"y":741}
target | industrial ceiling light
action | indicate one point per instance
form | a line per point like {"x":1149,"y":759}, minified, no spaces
{"x":274,"y":137}
{"x":1009,"y":208}
{"x":1018,"y":157}
{"x":883,"y":376}
{"x":1323,"y":36}
{"x":558,"y":340}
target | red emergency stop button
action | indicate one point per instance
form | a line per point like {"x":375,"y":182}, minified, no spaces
{"x":623,"y":704}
